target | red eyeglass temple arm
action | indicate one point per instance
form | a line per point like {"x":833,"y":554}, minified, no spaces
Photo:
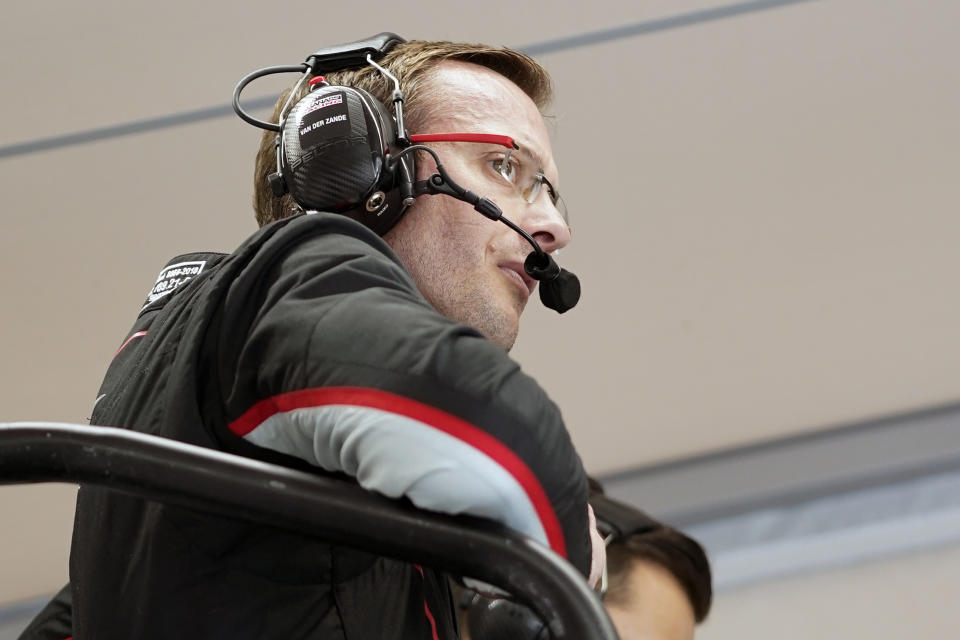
{"x":486,"y":138}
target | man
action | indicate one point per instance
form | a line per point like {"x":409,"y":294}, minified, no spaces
{"x":659,"y":583}
{"x":319,"y":345}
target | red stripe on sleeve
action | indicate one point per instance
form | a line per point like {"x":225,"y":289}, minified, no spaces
{"x":425,"y":414}
{"x":138,"y":334}
{"x":426,"y":607}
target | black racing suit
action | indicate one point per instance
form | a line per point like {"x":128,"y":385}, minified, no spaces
{"x":310,"y":345}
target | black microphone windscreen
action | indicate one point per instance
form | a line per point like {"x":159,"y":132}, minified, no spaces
{"x":561,"y":293}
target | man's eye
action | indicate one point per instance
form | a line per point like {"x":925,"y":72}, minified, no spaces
{"x":505,"y":168}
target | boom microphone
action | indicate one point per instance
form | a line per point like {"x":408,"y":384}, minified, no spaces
{"x":559,"y":288}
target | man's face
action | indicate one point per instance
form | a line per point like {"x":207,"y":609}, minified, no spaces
{"x":468,"y":267}
{"x":655,"y":606}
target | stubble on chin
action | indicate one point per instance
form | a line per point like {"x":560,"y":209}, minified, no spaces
{"x":477,"y":308}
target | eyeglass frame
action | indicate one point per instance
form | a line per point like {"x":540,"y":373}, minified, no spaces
{"x":511,"y":145}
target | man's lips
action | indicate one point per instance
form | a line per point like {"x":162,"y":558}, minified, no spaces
{"x":515,"y":271}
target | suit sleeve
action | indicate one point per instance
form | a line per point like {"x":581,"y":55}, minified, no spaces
{"x":331,"y":355}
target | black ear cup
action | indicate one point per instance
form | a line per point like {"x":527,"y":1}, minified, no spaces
{"x":335,"y":145}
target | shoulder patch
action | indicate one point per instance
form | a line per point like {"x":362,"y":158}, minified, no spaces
{"x":171,"y":277}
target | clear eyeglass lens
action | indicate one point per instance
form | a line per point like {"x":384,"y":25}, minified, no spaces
{"x":530,"y":190}
{"x":507,"y":169}
{"x":562,"y":208}
{"x":510,"y":168}
{"x":528,"y":181}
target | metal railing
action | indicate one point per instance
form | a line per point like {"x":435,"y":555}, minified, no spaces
{"x":335,"y":511}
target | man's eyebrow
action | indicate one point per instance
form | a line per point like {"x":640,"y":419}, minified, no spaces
{"x":530,"y":156}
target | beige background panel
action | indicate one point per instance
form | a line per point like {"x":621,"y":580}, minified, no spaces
{"x":911,"y":596}
{"x":776,"y":250}
{"x":96,"y":225}
{"x":35,"y":534}
{"x":764,"y":211}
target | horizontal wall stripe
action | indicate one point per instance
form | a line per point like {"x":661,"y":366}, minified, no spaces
{"x":129,"y":128}
{"x":15,"y":612}
{"x":653,"y":26}
{"x":541,"y":48}
{"x":849,"y":529}
{"x":795,"y":469}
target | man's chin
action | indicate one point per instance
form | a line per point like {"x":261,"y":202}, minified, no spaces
{"x":511,"y":325}
{"x":501,"y":323}
{"x":507,"y":342}
{"x":496,"y":317}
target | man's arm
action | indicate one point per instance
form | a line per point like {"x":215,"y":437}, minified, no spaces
{"x":330,"y":354}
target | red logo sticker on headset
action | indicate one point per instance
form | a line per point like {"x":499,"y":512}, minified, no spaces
{"x":325,"y":101}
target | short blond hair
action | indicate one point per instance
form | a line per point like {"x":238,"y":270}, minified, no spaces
{"x":411,"y":63}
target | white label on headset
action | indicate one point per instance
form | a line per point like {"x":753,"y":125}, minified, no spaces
{"x":324,"y":119}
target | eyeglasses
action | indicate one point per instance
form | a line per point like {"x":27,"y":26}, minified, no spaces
{"x":517,"y":166}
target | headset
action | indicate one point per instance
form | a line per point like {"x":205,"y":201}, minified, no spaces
{"x":339,"y":149}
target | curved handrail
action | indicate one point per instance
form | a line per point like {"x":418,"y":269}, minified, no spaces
{"x":337,"y":511}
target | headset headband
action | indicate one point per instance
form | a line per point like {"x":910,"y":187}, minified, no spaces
{"x":352,"y":54}
{"x":327,"y":60}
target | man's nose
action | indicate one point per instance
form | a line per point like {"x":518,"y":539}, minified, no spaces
{"x":543,"y":221}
